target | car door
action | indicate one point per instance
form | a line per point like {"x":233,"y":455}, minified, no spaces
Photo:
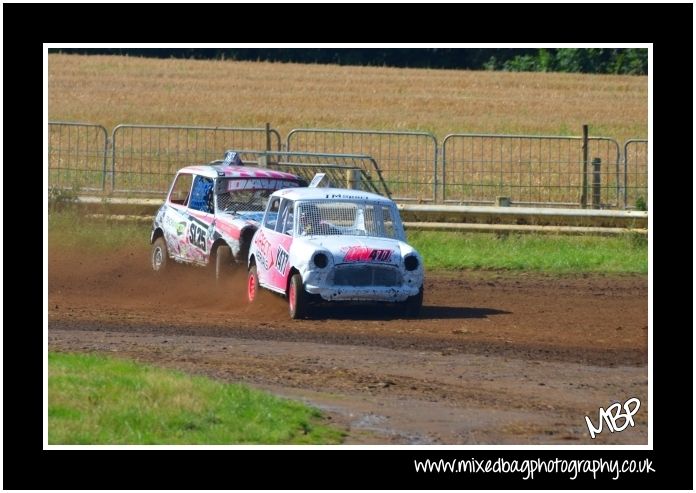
{"x":200,"y":219}
{"x":274,"y":241}
{"x":175,"y":222}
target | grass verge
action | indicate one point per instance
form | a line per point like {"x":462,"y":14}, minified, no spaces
{"x":441,"y":250}
{"x":98,"y":400}
{"x":548,"y":253}
{"x":70,"y":229}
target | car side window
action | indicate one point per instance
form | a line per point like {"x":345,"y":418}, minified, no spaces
{"x":388,"y":222}
{"x":289,"y":227}
{"x":272,"y":213}
{"x":202,"y":194}
{"x":181,"y":189}
{"x":285,"y":214}
{"x":282,"y":211}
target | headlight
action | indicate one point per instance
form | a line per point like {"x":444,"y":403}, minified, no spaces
{"x":321,"y":260}
{"x":411,"y":262}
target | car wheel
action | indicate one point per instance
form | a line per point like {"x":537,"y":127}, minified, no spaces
{"x":414,"y":303}
{"x":297,"y":299}
{"x":253,"y":285}
{"x":223,"y":262}
{"x":159,"y":256}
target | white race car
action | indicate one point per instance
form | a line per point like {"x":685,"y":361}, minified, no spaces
{"x":212,"y":212}
{"x":330,"y":244}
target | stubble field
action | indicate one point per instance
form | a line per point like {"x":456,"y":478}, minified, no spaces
{"x":112,"y":90}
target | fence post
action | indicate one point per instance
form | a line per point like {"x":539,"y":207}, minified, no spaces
{"x":353,"y":179}
{"x":625,"y":175}
{"x":268,"y":136}
{"x":443,"y":182}
{"x":107,"y":143}
{"x":435,"y":184}
{"x":596,"y":182}
{"x":113,"y":158}
{"x":502,"y":201}
{"x":585,"y":148}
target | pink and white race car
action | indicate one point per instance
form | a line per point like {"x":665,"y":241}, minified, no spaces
{"x":330,"y":244}
{"x":212,"y":212}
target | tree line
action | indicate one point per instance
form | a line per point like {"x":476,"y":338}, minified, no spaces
{"x":584,"y":60}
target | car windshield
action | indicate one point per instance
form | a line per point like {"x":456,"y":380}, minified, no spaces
{"x":355,"y":218}
{"x":243,"y":195}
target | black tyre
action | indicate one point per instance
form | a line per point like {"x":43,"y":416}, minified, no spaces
{"x":253,"y":287}
{"x":414,"y":303}
{"x":298,"y":302}
{"x":159,"y":256}
{"x":224,"y":262}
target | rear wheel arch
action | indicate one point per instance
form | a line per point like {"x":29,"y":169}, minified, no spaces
{"x":158,"y":233}
{"x":216,"y":244}
{"x":245,"y":237}
{"x":220,"y":260}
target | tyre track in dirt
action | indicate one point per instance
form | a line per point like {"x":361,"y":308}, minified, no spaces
{"x":494,"y":358}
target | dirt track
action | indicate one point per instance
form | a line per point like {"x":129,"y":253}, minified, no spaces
{"x":494,"y":358}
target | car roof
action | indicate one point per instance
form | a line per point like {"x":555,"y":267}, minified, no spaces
{"x":329,"y":194}
{"x":219,"y":170}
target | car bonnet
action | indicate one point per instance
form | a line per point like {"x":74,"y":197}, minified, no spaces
{"x":364,"y":249}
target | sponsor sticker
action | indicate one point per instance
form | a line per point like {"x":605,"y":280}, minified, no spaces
{"x":263,"y":250}
{"x":367,"y":254}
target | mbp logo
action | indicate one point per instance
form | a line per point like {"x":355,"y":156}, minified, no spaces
{"x":614,"y":414}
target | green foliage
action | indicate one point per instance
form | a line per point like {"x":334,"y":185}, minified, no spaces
{"x":641,"y":203}
{"x":632,"y":61}
{"x":491,"y":64}
{"x":62,"y":198}
{"x":524,"y":63}
{"x":637,"y":240}
{"x":98,"y":400}
{"x":545,"y":60}
{"x":570,"y":60}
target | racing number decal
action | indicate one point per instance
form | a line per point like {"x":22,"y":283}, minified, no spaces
{"x":197,"y":236}
{"x":381,"y":255}
{"x":282,"y":260}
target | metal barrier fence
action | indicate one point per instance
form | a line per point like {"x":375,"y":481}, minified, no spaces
{"x":471,"y":169}
{"x":635,"y":171}
{"x":343,"y":170}
{"x":146,"y":157}
{"x":530,"y":170}
{"x":408,"y":160}
{"x":77,"y":155}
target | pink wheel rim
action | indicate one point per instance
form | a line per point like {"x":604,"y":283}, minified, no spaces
{"x":251,"y":288}
{"x":291,"y":297}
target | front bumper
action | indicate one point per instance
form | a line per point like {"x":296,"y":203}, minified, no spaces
{"x":363,"y":293}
